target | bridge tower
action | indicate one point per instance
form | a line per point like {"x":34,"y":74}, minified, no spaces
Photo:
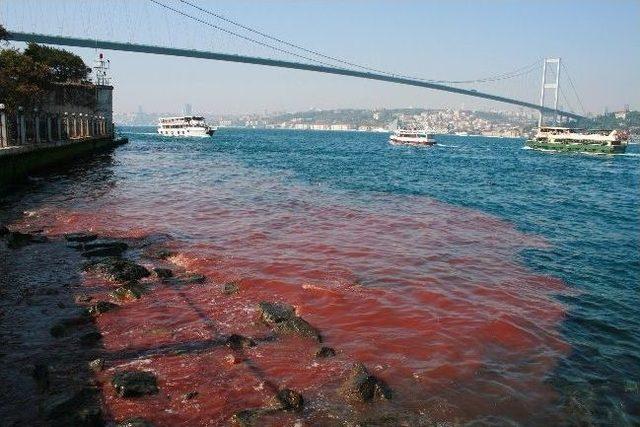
{"x":550,"y":81}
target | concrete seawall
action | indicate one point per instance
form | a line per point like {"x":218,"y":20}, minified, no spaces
{"x":16,"y":163}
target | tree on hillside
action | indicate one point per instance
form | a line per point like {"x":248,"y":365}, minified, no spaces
{"x":64,"y":66}
{"x":3,"y":35}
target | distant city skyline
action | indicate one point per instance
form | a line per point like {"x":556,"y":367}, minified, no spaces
{"x":598,"y":41}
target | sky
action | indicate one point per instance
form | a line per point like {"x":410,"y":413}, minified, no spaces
{"x":598,"y":41}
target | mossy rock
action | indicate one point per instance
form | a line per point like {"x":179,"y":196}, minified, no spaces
{"x":134,"y":383}
{"x":118,"y":269}
{"x":274,"y":312}
{"x":297,"y":326}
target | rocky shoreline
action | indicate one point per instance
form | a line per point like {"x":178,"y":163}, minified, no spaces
{"x":53,"y":354}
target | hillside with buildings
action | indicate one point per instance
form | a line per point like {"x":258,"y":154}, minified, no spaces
{"x":495,"y":123}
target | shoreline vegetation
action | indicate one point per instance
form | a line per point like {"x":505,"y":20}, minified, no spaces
{"x":54,"y":348}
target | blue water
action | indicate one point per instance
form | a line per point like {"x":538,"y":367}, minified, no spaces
{"x":586,"y":206}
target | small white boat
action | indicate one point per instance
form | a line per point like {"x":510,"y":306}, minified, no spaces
{"x":412,"y":137}
{"x":185,"y":126}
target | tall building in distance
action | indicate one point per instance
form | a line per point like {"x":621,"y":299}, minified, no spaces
{"x":187,"y":109}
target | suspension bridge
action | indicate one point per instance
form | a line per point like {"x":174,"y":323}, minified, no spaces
{"x":314,"y":61}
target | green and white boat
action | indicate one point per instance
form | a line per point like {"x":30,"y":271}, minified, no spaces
{"x":597,"y":141}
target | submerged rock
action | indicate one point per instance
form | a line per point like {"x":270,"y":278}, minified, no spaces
{"x":190,"y":395}
{"x":273,"y":312}
{"x":230,"y":288}
{"x":290,"y":400}
{"x":161,"y":254}
{"x":106,"y":243}
{"x":249,"y":417}
{"x":297,"y":326}
{"x":80,"y":237}
{"x":130,"y":291}
{"x":134,"y":383}
{"x":15,"y":239}
{"x":60,"y":329}
{"x":80,"y":408}
{"x":96,"y":365}
{"x":118,"y":269}
{"x":135,"y":422}
{"x":101,"y":248}
{"x":90,"y":339}
{"x":238,"y":342}
{"x":163,"y":273}
{"x":325,"y":352}
{"x":192,"y":278}
{"x":362,"y":386}
{"x":40,"y":375}
{"x":82,"y":298}
{"x":102,"y":307}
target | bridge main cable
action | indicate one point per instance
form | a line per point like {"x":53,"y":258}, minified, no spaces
{"x":191,"y":53}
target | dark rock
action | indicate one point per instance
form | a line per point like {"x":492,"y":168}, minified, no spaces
{"x":40,"y":374}
{"x":15,"y":239}
{"x":230,"y":288}
{"x":102,"y":307}
{"x":102,"y":252}
{"x":80,"y":299}
{"x":79,"y":409}
{"x":361,"y":386}
{"x":249,"y":417}
{"x":96,"y":365}
{"x":238,"y":342}
{"x":193,"y":278}
{"x":75,"y":245}
{"x":135,"y":422}
{"x":297,"y":326}
{"x":102,"y":248}
{"x":131,"y":291}
{"x":80,"y":237}
{"x":325,"y":352}
{"x":162,"y":254}
{"x":60,"y":329}
{"x":37,"y":238}
{"x":3,"y":230}
{"x":134,"y":383}
{"x":106,"y":243}
{"x":272,"y":313}
{"x":190,"y":395}
{"x":90,"y":339}
{"x":118,"y":269}
{"x":290,"y":400}
{"x":163,"y":273}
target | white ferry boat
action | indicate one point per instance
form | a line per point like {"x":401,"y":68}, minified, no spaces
{"x":185,"y":126}
{"x":412,"y":137}
{"x":605,"y":141}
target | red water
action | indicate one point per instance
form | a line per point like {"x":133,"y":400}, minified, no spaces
{"x":431,"y":297}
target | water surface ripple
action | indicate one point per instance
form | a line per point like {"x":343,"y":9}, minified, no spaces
{"x":484,"y":282}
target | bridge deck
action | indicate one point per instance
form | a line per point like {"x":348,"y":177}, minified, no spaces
{"x":160,"y":50}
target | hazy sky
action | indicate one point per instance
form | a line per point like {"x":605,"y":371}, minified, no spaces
{"x":598,"y":41}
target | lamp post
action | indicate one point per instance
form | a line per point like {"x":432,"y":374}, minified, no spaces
{"x":21,"y":126}
{"x":67,"y":127}
{"x":36,"y":126}
{"x":3,"y":128}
